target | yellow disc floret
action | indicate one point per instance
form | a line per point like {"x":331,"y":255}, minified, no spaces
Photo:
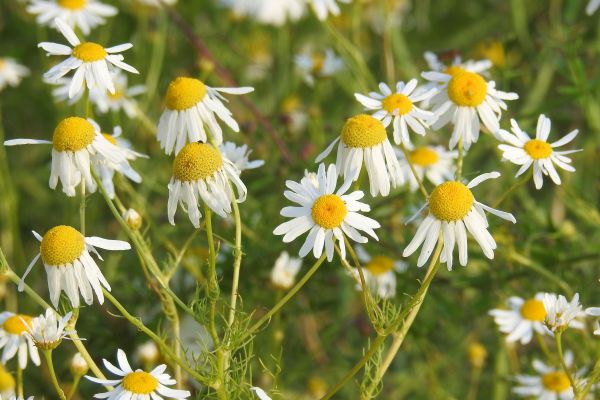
{"x":110,"y":138}
{"x":363,"y":131}
{"x":538,"y":149}
{"x":397,"y":102}
{"x":423,"y":157}
{"x":61,"y":245}
{"x":380,"y":265}
{"x":184,"y":93}
{"x":72,"y":4}
{"x":451,"y":201}
{"x":533,"y":310}
{"x":196,"y":161}
{"x":140,"y":382}
{"x":73,"y":134}
{"x":318,"y":61}
{"x":89,"y":52}
{"x":556,"y":381}
{"x":454,"y":70}
{"x":329,"y":211}
{"x":7,"y":382}
{"x":467,"y":89}
{"x":17,"y":324}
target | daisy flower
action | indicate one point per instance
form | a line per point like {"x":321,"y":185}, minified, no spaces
{"x":524,"y":151}
{"x":11,"y":72}
{"x":313,"y":65}
{"x":522,"y":319}
{"x":121,"y":99}
{"x":77,"y":144}
{"x":65,"y":253}
{"x":88,"y":59}
{"x":323,"y":8}
{"x":326,"y":214}
{"x":283,"y":274}
{"x":548,"y":384}
{"x":47,"y":331}
{"x":399,"y":107}
{"x":270,"y":12}
{"x":15,"y":340}
{"x":592,"y":6}
{"x":60,"y":92}
{"x":452,"y":208}
{"x":365,"y":138}
{"x":200,"y":172}
{"x":7,"y":383}
{"x":456,"y":64}
{"x":379,"y":273}
{"x":239,"y":155}
{"x":432,"y":162}
{"x":464,"y":98}
{"x":561,"y":313}
{"x":191,"y":105}
{"x":82,"y":14}
{"x":138,"y":384}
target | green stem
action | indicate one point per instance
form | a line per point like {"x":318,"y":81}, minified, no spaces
{"x":74,"y":386}
{"x":48,"y":357}
{"x":237,"y":262}
{"x":414,"y":171}
{"x":19,"y":381}
{"x":82,"y":207}
{"x":561,"y":358}
{"x":459,"y":161}
{"x":514,"y":186}
{"x":591,"y":381}
{"x":544,"y":347}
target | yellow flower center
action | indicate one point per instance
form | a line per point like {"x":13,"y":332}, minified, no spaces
{"x":451,"y":201}
{"x":73,"y":134}
{"x":380,"y":265}
{"x":110,"y":138}
{"x":533,"y":310}
{"x":61,"y":245}
{"x":17,"y":324}
{"x":7,"y":382}
{"x":454,"y":70}
{"x":397,"y":102}
{"x":423,"y":157}
{"x":196,"y":161}
{"x":467,"y":89}
{"x":184,"y":93}
{"x":537,"y":149}
{"x":72,"y":4}
{"x":556,"y":381}
{"x":363,"y":131}
{"x":140,"y":382}
{"x":318,"y":60}
{"x":329,"y":211}
{"x":477,"y":354}
{"x":89,"y":52}
{"x":116,"y":96}
{"x":2,"y":63}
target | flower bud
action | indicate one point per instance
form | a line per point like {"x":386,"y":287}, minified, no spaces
{"x":79,"y":366}
{"x":477,"y":354}
{"x":133,"y":219}
{"x":148,"y":353}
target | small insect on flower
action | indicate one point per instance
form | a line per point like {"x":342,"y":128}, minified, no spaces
{"x":432,"y":162}
{"x":548,"y":384}
{"x":323,"y":8}
{"x":121,"y":99}
{"x":452,"y":208}
{"x":524,"y":151}
{"x":69,"y":265}
{"x":47,"y":331}
{"x":327,"y":214}
{"x":15,"y":339}
{"x":561,"y":313}
{"x":364,"y":138}
{"x":314,"y":65}
{"x":190,"y":107}
{"x":138,"y":384}
{"x":379,"y":273}
{"x":82,"y":14}
{"x":283,"y":274}
{"x":522,"y":319}
{"x":11,"y":72}
{"x":88,"y":59}
{"x":201,"y":173}
{"x":400,"y":108}
{"x":239,"y":155}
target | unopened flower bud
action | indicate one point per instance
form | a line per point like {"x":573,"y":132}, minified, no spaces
{"x":133,"y":219}
{"x":477,"y":354}
{"x":148,"y":353}
{"x":79,"y":366}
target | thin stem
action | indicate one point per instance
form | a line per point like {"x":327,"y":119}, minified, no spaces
{"x":414,"y":171}
{"x":237,"y":262}
{"x":48,"y":357}
{"x":459,"y":162}
{"x":565,"y":367}
{"x":590,"y":382}
{"x":544,"y":347}
{"x":76,"y":380}
{"x":474,"y":384}
{"x":82,"y":208}
{"x":19,"y":381}
{"x":514,"y":186}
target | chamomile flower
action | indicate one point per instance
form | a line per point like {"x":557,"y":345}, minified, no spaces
{"x":326,"y":214}
{"x":7,"y":383}
{"x":191,"y":110}
{"x":11,"y":72}
{"x":14,"y":339}
{"x":89,"y":60}
{"x":548,"y":384}
{"x":239,"y":155}
{"x":201,"y":173}
{"x":539,"y":153}
{"x":432,"y":162}
{"x":121,"y":99}
{"x":137,"y":384}
{"x":315,"y":65}
{"x":65,"y":253}
{"x":592,"y":6}
{"x":283,"y":274}
{"x":323,"y":8}
{"x":456,"y":64}
{"x":379,"y":273}
{"x":399,"y":107}
{"x":453,"y":211}
{"x":82,"y":14}
{"x":47,"y":331}
{"x":561,"y":313}
{"x":522,"y":319}
{"x":270,"y":12}
{"x":60,"y":92}
{"x":364,"y":138}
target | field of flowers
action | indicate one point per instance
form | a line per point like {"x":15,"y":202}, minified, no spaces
{"x":299,"y":199}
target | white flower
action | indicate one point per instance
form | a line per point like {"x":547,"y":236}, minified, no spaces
{"x":15,"y":339}
{"x":65,"y":253}
{"x":82,"y":14}
{"x":148,"y":352}
{"x":434,"y":63}
{"x":239,"y":155}
{"x":592,"y":6}
{"x":399,"y":107}
{"x":365,"y":138}
{"x":200,"y":172}
{"x":47,"y":331}
{"x":323,"y":8}
{"x":132,"y":218}
{"x":453,"y":211}
{"x":432,"y":162}
{"x":78,"y":365}
{"x":312,"y":65}
{"x":562,"y":313}
{"x":548,"y":384}
{"x":18,"y":398}
{"x":271,"y":12}
{"x":11,"y":72}
{"x":522,"y":319}
{"x":283,"y":274}
{"x":60,"y":92}
{"x":261,"y":394}
{"x":157,"y":3}
{"x":379,"y":273}
{"x":524,"y":151}
{"x":326,"y":213}
{"x":138,"y":384}
{"x":121,"y":99}
{"x":88,"y":59}
{"x":191,"y":105}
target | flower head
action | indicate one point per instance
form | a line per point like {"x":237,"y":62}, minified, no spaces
{"x":82,"y":14}
{"x":548,"y":383}
{"x":313,"y":64}
{"x":239,"y":155}
{"x":379,"y":273}
{"x":561,"y":313}
{"x":432,"y":162}
{"x":285,"y":270}
{"x":323,"y":8}
{"x":78,"y":365}
{"x":47,"y":331}
{"x":15,"y":340}
{"x":121,"y":99}
{"x":524,"y":317}
{"x":270,"y":12}
{"x":11,"y":72}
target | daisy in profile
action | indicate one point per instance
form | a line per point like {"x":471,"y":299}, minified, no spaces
{"x":283,"y":274}
{"x":11,"y":72}
{"x":539,"y":153}
{"x":240,"y":156}
{"x":270,"y":12}
{"x":456,"y":64}
{"x":138,"y":384}
{"x":522,"y":319}
{"x":65,"y":253}
{"x":192,"y":108}
{"x":201,"y":173}
{"x":562,"y":313}
{"x":76,"y":144}
{"x":379,"y":273}
{"x":89,"y":60}
{"x":398,"y":107}
{"x":14,"y":339}
{"x":326,"y":214}
{"x":432,"y":162}
{"x":323,"y":8}
{"x":48,"y":330}
{"x":549,"y":383}
{"x":121,"y":99}
{"x":313,"y":65}
{"x":453,"y":211}
{"x":82,"y":14}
